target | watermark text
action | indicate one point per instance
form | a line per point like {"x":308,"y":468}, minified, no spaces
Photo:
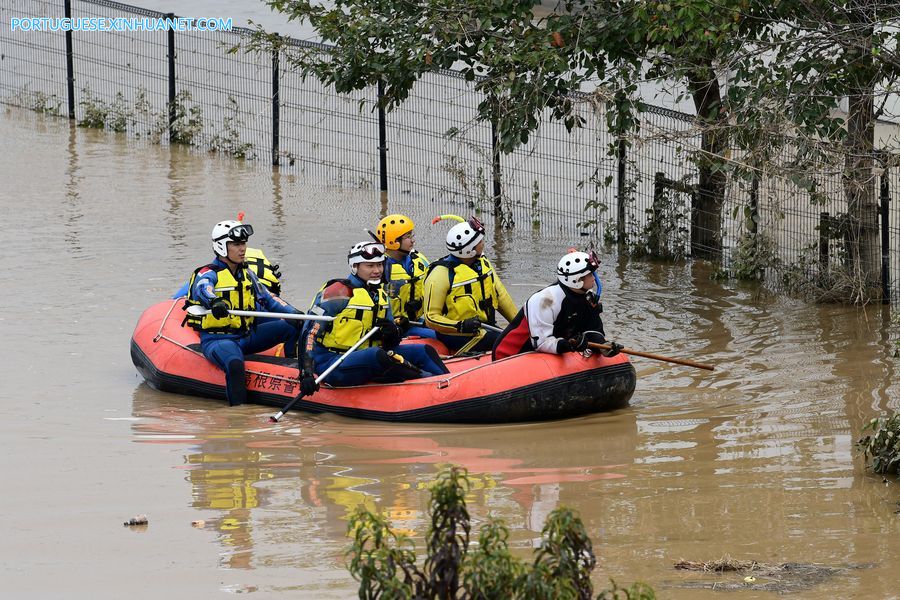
{"x":118,"y":24}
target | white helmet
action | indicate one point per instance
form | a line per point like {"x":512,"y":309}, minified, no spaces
{"x":463,"y":237}
{"x":574,"y":266}
{"x":365,"y":252}
{"x":229,"y":231}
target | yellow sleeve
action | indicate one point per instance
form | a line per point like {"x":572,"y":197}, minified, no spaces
{"x":437,"y":286}
{"x":505,"y":303}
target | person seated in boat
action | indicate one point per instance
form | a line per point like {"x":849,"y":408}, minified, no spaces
{"x":562,"y":317}
{"x":228,"y":283}
{"x":462,"y":291}
{"x":404,"y":271}
{"x":359,"y":304}
{"x":255,"y":260}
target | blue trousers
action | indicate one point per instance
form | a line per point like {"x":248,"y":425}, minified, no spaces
{"x":422,"y":332}
{"x":227,"y":352}
{"x":365,"y":365}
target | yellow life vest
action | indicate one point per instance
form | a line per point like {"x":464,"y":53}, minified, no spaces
{"x":266,"y":272}
{"x":240,"y":295}
{"x":354,"y":321}
{"x":404,"y":286}
{"x":471,"y":294}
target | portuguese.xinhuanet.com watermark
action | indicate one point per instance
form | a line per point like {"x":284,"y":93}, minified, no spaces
{"x":118,"y":24}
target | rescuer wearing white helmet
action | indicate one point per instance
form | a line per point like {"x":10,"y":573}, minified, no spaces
{"x":227,"y":284}
{"x":358,"y":304}
{"x":562,"y":317}
{"x":462,"y":290}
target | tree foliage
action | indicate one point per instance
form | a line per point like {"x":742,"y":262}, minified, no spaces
{"x":386,"y":567}
{"x":756,"y":71}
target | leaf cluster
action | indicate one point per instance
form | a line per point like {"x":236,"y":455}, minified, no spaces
{"x":882,"y":445}
{"x":386,"y":567}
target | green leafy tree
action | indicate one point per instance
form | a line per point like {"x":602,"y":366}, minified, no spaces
{"x":385,"y":564}
{"x":818,"y":54}
{"x":787,"y":65}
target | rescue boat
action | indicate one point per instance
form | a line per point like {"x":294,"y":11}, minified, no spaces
{"x":527,"y":387}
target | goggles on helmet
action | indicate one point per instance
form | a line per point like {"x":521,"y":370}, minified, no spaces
{"x":593,"y":261}
{"x":237,"y":234}
{"x":475,"y":224}
{"x":368,"y":252}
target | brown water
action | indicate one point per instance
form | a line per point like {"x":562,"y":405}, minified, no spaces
{"x":755,"y":461}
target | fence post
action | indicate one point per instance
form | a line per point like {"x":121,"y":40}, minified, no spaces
{"x":885,"y":239}
{"x":754,"y":206}
{"x":382,"y":143}
{"x":495,"y":166}
{"x":70,"y":62}
{"x":170,"y":35}
{"x":824,"y":235}
{"x":620,"y":191}
{"x":276,"y":105}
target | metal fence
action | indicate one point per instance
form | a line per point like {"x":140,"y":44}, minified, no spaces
{"x":186,"y":87}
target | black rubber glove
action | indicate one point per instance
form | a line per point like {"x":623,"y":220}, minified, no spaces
{"x":308,"y":385}
{"x":412,"y":308}
{"x":402,"y":323}
{"x":614,"y":349}
{"x":470,"y":325}
{"x":588,"y":337}
{"x":219,"y":308}
{"x":389,"y":333}
{"x":563,"y":346}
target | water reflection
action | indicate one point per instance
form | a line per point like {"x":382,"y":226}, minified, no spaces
{"x":242,"y":468}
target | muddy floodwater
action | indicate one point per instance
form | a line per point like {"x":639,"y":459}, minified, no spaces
{"x":755,"y":460}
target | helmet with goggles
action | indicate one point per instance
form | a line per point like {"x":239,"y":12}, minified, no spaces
{"x":365,"y":252}
{"x":574,"y":266}
{"x":229,"y":231}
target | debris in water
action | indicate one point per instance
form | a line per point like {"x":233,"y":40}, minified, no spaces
{"x":199,"y":523}
{"x":136,"y":521}
{"x":782,"y":578}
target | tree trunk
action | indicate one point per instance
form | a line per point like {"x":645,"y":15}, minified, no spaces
{"x":706,"y":212}
{"x":859,"y":177}
{"x":859,"y":186}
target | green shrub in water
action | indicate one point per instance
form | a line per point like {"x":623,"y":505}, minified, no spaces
{"x":386,"y":567}
{"x":882,"y":445}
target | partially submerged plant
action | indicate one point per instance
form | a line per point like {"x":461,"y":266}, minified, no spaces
{"x":385,"y":563}
{"x":882,"y":446}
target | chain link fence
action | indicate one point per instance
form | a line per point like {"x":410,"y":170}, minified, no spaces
{"x":198,"y":88}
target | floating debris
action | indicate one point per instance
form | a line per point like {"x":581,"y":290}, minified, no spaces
{"x":199,"y":523}
{"x":781,"y":578}
{"x":726,"y":563}
{"x":136,"y":521}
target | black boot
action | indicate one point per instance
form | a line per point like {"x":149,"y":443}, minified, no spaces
{"x":396,"y":368}
{"x":235,"y":386}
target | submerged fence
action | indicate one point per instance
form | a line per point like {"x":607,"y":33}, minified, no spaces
{"x":185,"y":87}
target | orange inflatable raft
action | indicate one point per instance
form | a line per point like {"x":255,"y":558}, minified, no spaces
{"x":528,"y":387}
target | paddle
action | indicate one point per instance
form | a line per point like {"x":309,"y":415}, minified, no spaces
{"x":275,"y":418}
{"x":199,"y":311}
{"x":677,"y":361}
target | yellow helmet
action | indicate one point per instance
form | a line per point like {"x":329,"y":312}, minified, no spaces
{"x":391,"y":228}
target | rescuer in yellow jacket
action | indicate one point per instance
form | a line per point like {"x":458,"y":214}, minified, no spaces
{"x":462,"y":292}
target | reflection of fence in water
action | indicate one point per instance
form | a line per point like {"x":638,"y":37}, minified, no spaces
{"x":563,"y":184}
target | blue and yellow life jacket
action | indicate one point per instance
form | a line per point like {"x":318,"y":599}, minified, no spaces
{"x":404,"y":286}
{"x":354,"y":320}
{"x":267,"y":273}
{"x":239,"y":293}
